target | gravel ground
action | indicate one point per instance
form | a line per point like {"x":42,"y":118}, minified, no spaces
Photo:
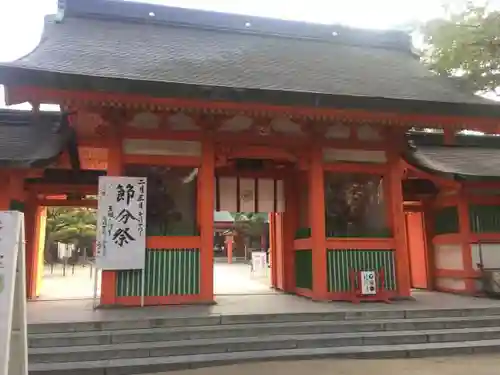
{"x":467,"y":365}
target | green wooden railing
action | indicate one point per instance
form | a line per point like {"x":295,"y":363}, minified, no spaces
{"x":341,"y":261}
{"x":167,"y":272}
{"x":484,"y":219}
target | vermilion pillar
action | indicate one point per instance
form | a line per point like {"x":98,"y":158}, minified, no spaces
{"x":395,"y":195}
{"x":41,"y":239}
{"x":206,"y":193}
{"x":290,"y":224}
{"x":317,"y":223}
{"x":33,"y":215}
{"x":465,"y":234}
{"x":229,"y":247}
{"x":115,"y":168}
{"x":12,"y":189}
{"x":272,"y":249}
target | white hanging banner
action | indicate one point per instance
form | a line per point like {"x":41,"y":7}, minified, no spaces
{"x":121,"y":220}
{"x":13,"y":329}
{"x":235,"y":194}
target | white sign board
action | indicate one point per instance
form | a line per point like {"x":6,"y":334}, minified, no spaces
{"x":259,"y":262}
{"x":368,"y":283}
{"x":65,"y":250}
{"x":13,"y":331}
{"x":121,"y":220}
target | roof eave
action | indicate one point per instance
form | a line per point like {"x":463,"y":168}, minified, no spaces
{"x":458,"y":177}
{"x":28,"y":163}
{"x":19,"y":76}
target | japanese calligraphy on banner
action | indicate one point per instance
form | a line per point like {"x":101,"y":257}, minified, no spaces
{"x":121,"y":220}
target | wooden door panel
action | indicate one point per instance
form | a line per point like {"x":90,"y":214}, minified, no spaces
{"x":417,"y":249}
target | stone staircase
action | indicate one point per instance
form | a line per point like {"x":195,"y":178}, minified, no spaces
{"x":163,"y":344}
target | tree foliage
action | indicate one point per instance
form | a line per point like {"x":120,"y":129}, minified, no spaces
{"x":250,"y":223}
{"x":466,"y":46}
{"x":71,"y":225}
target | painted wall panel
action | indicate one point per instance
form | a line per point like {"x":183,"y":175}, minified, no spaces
{"x":303,"y":269}
{"x":448,"y":257}
{"x":490,"y":255}
{"x":448,"y":283}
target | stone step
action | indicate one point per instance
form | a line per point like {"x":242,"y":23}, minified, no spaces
{"x":246,"y":344}
{"x":159,"y":364}
{"x":252,"y":330}
{"x":179,"y":321}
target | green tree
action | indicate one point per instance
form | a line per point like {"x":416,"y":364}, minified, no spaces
{"x":71,"y":225}
{"x":250,"y":225}
{"x":466,"y":46}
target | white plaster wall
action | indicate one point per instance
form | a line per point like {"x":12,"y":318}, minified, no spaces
{"x":368,"y":133}
{"x":448,"y":257}
{"x":180,"y":121}
{"x":360,"y":156}
{"x":145,"y":120}
{"x":160,"y":147}
{"x":450,"y":283}
{"x":338,"y":131}
{"x":491,"y":255}
{"x":236,"y":124}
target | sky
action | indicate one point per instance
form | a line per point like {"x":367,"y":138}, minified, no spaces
{"x":21,"y":21}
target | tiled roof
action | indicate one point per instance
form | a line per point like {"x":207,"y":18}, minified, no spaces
{"x":120,"y":40}
{"x":27,"y":141}
{"x":470,"y":157}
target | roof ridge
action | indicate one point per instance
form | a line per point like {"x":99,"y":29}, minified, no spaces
{"x":114,"y":10}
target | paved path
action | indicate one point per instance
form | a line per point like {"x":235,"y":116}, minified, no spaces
{"x":77,"y":283}
{"x":467,"y":365}
{"x":237,"y":278}
{"x":229,"y":279}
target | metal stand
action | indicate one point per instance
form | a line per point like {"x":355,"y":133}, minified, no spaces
{"x":143,"y":285}
{"x":95,"y":304}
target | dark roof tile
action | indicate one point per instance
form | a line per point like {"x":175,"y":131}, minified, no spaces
{"x":28,"y":142}
{"x":134,"y":49}
{"x":462,"y":161}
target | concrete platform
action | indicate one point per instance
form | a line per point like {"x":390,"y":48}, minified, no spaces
{"x":82,"y":310}
{"x":477,"y":365}
{"x":70,"y":337}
